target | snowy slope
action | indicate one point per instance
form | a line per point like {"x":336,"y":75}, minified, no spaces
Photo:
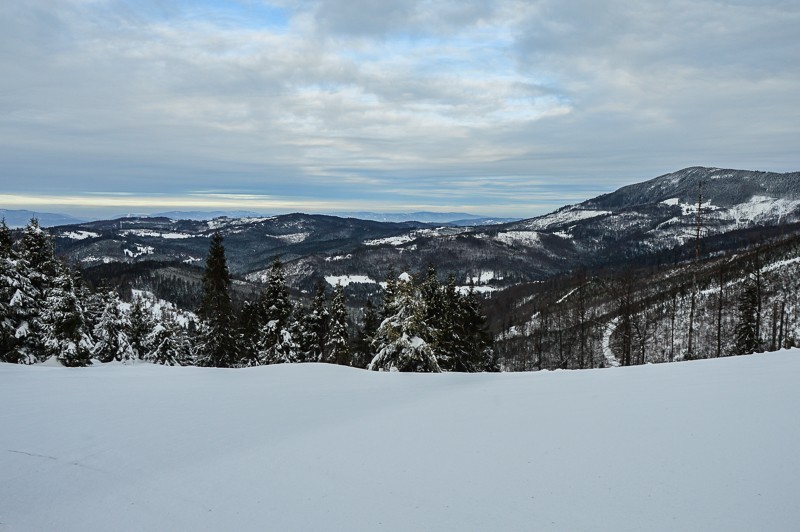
{"x":706,"y":445}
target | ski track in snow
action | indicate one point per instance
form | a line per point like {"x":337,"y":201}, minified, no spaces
{"x":690,"y":446}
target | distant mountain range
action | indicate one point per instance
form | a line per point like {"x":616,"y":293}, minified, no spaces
{"x":644,"y":219}
{"x":20,"y":218}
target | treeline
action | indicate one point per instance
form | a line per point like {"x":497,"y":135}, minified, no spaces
{"x":46,"y":310}
{"x":736,"y":303}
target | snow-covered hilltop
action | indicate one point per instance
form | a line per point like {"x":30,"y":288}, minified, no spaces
{"x":703,"y":445}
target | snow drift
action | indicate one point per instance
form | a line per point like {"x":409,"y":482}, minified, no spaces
{"x":704,"y":445}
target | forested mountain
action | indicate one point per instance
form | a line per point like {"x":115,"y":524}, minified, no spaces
{"x":705,"y":257}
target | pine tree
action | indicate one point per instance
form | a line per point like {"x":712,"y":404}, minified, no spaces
{"x":400,"y":340}
{"x":19,"y":306}
{"x":477,"y":347}
{"x":64,"y":330}
{"x":216,"y":344}
{"x":166,"y":341}
{"x":142,"y":325}
{"x":277,"y":343}
{"x":746,"y":331}
{"x":111,"y":332}
{"x":337,"y":346}
{"x":315,"y":327}
{"x":249,"y":330}
{"x":363,"y":348}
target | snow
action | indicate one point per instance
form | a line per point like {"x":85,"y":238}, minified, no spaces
{"x":155,"y":234}
{"x":483,"y":277}
{"x":476,"y":289}
{"x":345,"y":280}
{"x":405,"y":277}
{"x":293,"y":238}
{"x":390,"y":240}
{"x":526,"y":238}
{"x":703,"y":445}
{"x":339,"y":257}
{"x":79,"y":235}
{"x":671,"y":201}
{"x":565,"y":216}
{"x":140,"y":250}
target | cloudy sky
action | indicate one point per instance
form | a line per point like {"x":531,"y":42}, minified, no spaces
{"x":500,"y":107}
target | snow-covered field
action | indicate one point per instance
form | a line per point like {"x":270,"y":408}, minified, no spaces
{"x":705,"y":445}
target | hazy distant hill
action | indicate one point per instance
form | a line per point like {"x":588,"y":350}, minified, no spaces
{"x":20,"y":218}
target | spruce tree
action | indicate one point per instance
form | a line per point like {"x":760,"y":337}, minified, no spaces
{"x":477,"y":349}
{"x":216,"y":344}
{"x":337,"y":346}
{"x":64,"y":330}
{"x":400,"y":343}
{"x":111,"y":332}
{"x":142,"y":324}
{"x":166,"y":341}
{"x":277,"y":343}
{"x":366,"y":334}
{"x":746,"y":330}
{"x":19,"y":306}
{"x":315,"y":327}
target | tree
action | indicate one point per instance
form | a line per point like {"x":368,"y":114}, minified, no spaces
{"x":337,"y":345}
{"x":746,"y":331}
{"x":366,"y":334}
{"x":167,"y":342}
{"x":64,"y":328}
{"x":111,"y":332}
{"x":315,"y":327}
{"x":142,"y":325}
{"x":19,"y":307}
{"x":400,"y":340}
{"x":477,"y":351}
{"x":216,"y":343}
{"x":278,"y":336}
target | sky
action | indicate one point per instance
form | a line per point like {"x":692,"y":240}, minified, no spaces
{"x":494,"y":107}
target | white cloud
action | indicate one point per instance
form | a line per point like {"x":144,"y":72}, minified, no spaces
{"x":362,"y":99}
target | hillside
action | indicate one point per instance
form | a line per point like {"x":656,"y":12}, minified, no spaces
{"x":635,"y":222}
{"x":703,"y":445}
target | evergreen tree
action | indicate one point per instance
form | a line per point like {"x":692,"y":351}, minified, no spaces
{"x":64,"y":331}
{"x":19,"y":307}
{"x":277,"y":343}
{"x":363,"y":348}
{"x":249,"y":330}
{"x":337,"y":346}
{"x":6,"y":242}
{"x":167,"y":342}
{"x":400,"y":340}
{"x":111,"y":332}
{"x":216,"y":344}
{"x":746,"y":331}
{"x":142,"y":325}
{"x":315,"y":327}
{"x":477,"y":351}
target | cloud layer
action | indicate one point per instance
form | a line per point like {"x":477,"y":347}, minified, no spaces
{"x":501,"y":107}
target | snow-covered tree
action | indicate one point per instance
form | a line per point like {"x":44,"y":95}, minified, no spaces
{"x":64,"y":330}
{"x":400,"y":340}
{"x":111,"y":332}
{"x":337,"y":345}
{"x":216,"y":345}
{"x":315,"y":327}
{"x":279,"y":334}
{"x":167,"y":342}
{"x":142,"y":325}
{"x":20,"y":341}
{"x":366,"y":334}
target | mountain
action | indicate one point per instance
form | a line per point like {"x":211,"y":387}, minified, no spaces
{"x":20,"y":218}
{"x":449,"y":218}
{"x":655,"y":218}
{"x":203,"y":215}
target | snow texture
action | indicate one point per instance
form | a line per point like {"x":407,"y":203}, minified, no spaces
{"x":702,"y":445}
{"x":345,"y":280}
